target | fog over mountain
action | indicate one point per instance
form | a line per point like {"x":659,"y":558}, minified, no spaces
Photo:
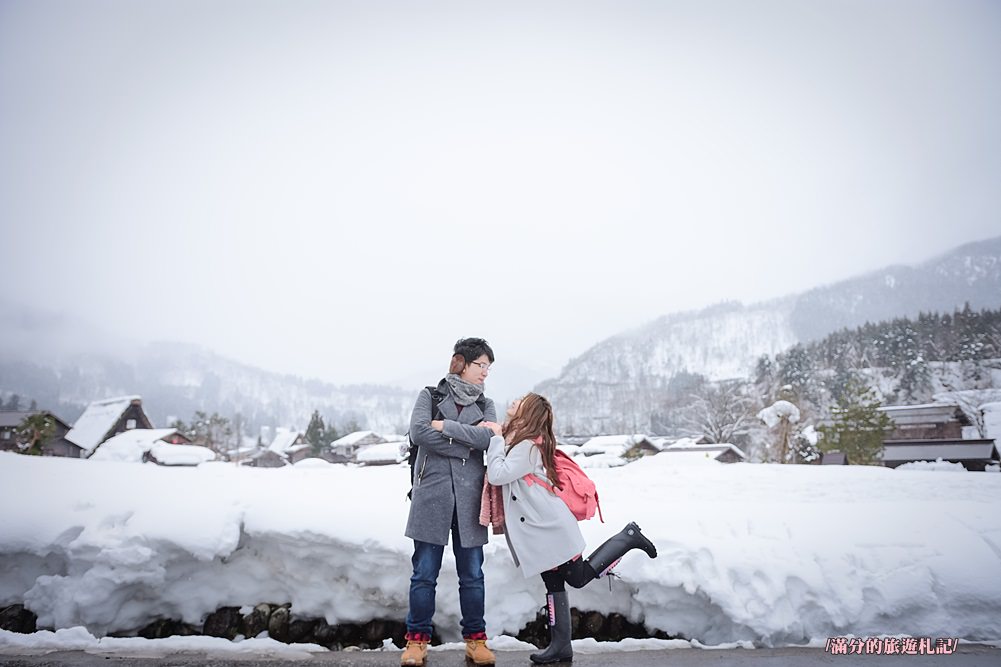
{"x":617,"y":384}
{"x":63,"y":363}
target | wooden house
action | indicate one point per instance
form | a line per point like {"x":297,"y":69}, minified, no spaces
{"x":290,"y":444}
{"x":930,"y":421}
{"x":266,"y":458}
{"x":103,"y":419}
{"x":346,"y":448}
{"x":722,"y":452}
{"x":56,"y":445}
{"x":972,"y":454}
{"x":834,"y":458}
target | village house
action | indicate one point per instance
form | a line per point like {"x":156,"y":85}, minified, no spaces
{"x":56,"y":445}
{"x":627,"y":447}
{"x":346,"y":448}
{"x":930,"y":421}
{"x":103,"y":419}
{"x":934,"y":431}
{"x":688,"y":450}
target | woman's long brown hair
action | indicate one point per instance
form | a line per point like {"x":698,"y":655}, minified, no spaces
{"x":535,"y":418}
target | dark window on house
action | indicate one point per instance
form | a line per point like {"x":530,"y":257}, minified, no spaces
{"x":5,"y":434}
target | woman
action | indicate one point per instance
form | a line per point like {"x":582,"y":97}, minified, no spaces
{"x":541,"y":531}
{"x":447,"y":486}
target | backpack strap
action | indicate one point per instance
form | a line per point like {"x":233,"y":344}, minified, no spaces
{"x":436,"y":398}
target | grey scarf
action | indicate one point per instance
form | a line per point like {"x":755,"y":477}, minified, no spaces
{"x":465,"y":393}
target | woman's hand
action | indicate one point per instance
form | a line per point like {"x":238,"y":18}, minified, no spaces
{"x":493,"y":426}
{"x":437,"y":424}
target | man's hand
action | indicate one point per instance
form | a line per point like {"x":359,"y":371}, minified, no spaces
{"x":437,"y":424}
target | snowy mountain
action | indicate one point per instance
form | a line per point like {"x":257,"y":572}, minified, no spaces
{"x":618,"y":384}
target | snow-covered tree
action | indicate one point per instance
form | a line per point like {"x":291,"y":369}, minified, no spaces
{"x":721,"y":411}
{"x":213,"y":431}
{"x":781,"y":418}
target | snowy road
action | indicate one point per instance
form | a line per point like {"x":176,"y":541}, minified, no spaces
{"x":968,"y":655}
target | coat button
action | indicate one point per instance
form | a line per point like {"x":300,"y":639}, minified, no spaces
{"x":514,"y":497}
{"x":523,"y":519}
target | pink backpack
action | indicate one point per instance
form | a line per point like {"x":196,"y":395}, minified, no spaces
{"x":578,"y":492}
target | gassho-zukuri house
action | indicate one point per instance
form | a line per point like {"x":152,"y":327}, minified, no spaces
{"x":936,"y":431}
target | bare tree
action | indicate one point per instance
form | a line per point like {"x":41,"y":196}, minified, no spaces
{"x":969,"y":401}
{"x":721,"y":410}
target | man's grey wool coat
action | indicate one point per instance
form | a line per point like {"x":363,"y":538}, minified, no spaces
{"x":449,"y":471}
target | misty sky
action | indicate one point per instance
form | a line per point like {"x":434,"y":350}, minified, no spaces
{"x":342,"y":189}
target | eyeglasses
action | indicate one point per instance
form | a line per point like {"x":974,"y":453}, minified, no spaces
{"x":483,"y":366}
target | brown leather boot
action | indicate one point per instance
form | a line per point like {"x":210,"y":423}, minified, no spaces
{"x":477,"y":651}
{"x":416,"y":653}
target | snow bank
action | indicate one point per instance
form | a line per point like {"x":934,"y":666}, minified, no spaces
{"x":937,"y":464}
{"x":78,"y":639}
{"x":764,"y":553}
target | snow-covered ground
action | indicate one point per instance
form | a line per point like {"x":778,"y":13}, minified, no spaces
{"x":748,"y":553}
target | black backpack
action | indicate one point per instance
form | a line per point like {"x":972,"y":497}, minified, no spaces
{"x":413,"y":448}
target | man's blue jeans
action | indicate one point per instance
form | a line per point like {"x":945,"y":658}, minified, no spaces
{"x":427,"y":562}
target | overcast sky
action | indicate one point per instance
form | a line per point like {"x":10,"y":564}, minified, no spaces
{"x":342,"y":189}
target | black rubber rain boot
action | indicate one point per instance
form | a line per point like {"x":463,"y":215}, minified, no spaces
{"x":608,"y":554}
{"x":559,"y":649}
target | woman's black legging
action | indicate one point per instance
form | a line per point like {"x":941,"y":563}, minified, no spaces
{"x":577,"y":573}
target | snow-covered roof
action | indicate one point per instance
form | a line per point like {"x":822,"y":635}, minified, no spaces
{"x":600,"y":461}
{"x":712,"y":450}
{"x":611,"y":444}
{"x":380,"y":453}
{"x":14,"y":418}
{"x":609,"y":440}
{"x":680,"y":443}
{"x":920,"y":407}
{"x":180,"y":455}
{"x":355,"y":438}
{"x":686,"y":457}
{"x":95,"y":422}
{"x":284,"y":439}
{"x":313,"y":462}
{"x":131,"y":445}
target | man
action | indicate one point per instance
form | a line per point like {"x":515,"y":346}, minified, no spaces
{"x":447,"y":487}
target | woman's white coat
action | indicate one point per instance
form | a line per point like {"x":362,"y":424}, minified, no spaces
{"x":541,"y":531}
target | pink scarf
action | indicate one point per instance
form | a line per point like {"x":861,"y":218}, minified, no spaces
{"x":492,"y":507}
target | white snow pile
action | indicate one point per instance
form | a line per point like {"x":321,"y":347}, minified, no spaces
{"x":937,"y":464}
{"x":132,"y":446}
{"x":770,"y":554}
{"x":386,"y":452}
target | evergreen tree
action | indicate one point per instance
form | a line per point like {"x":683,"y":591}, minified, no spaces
{"x":34,"y":431}
{"x":858,"y":425}
{"x":316,"y":434}
{"x":213,"y":431}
